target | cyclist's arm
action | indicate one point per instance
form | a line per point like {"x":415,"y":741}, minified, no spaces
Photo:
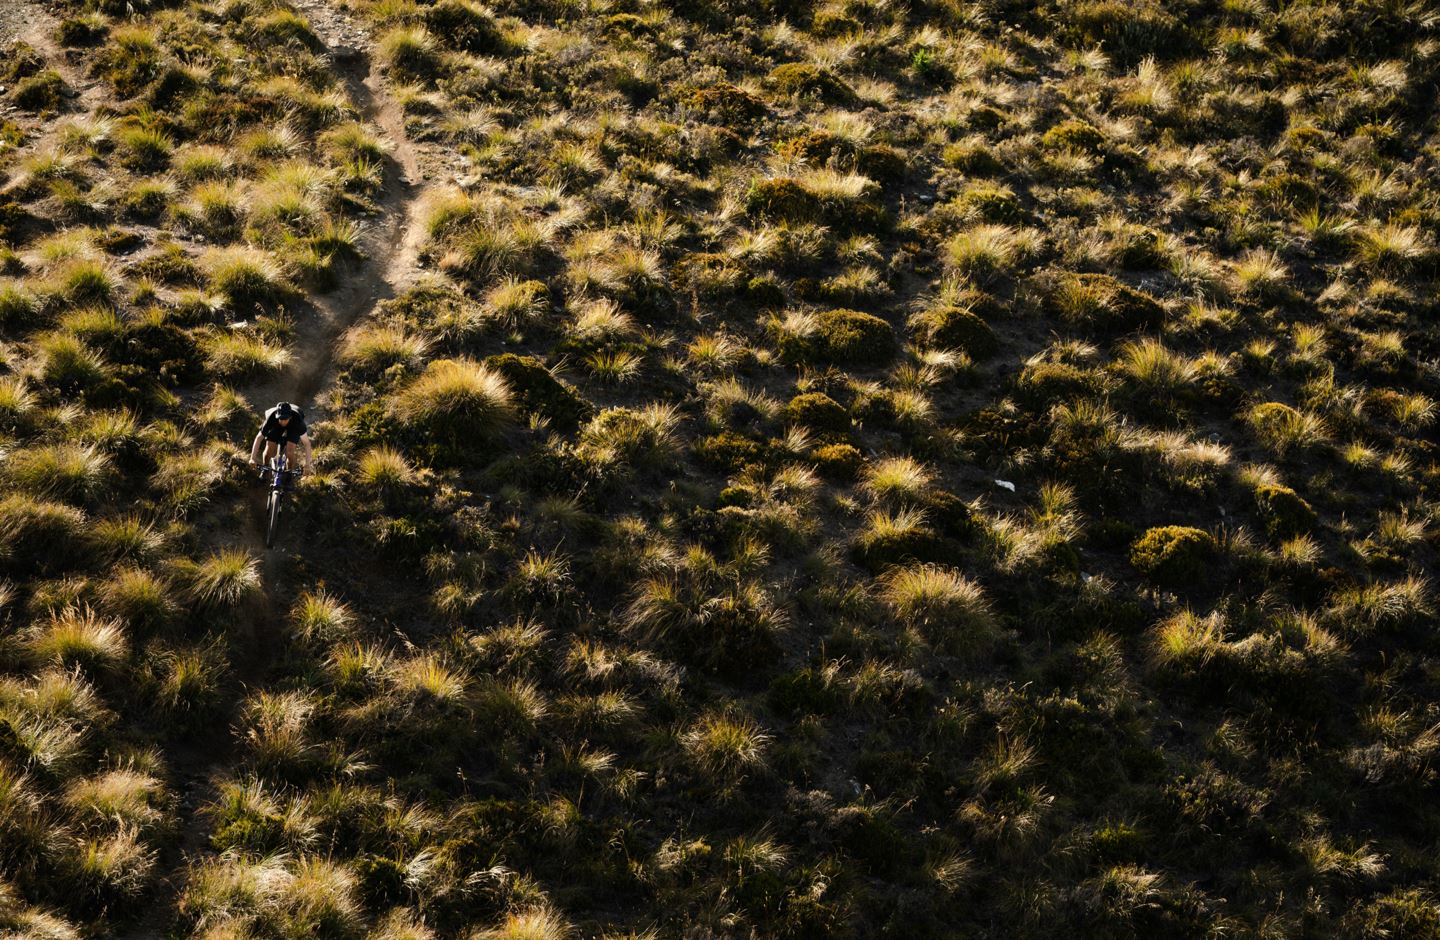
{"x":309,"y":451}
{"x":255,"y":448}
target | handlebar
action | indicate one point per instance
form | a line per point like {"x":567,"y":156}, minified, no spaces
{"x":297,"y":471}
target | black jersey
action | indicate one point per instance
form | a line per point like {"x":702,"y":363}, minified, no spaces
{"x":272,"y":430}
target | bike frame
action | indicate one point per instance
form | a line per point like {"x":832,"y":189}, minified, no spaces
{"x":279,"y":470}
{"x":280,"y":474}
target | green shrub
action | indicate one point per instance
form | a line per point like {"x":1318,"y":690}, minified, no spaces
{"x":990,"y":204}
{"x":818,"y":412}
{"x":808,"y":691}
{"x":410,"y":55}
{"x":537,"y":391}
{"x":973,"y":158}
{"x":246,"y":829}
{"x":21,"y":60}
{"x":39,"y":535}
{"x":844,"y":337}
{"x":950,"y":514}
{"x":87,"y":29}
{"x":727,"y":104}
{"x":904,"y":537}
{"x":244,"y":276}
{"x":1138,"y":248}
{"x":1099,"y":301}
{"x":19,"y":309}
{"x":166,"y":353}
{"x":1043,"y":384}
{"x":765,"y":293}
{"x":732,"y":453}
{"x":130,"y":61}
{"x":781,"y":198}
{"x":846,"y":201}
{"x":1129,"y":31}
{"x":958,"y":328}
{"x":829,"y":23}
{"x":465,"y":26}
{"x":870,"y":836}
{"x":1117,"y":842}
{"x":143,"y":149}
{"x":802,"y":80}
{"x":1173,"y":555}
{"x":1399,"y":913}
{"x":42,"y":93}
{"x":282,"y":27}
{"x":382,"y":881}
{"x":1284,"y":512}
{"x":68,"y":365}
{"x":1074,"y":134}
{"x":839,"y":462}
{"x":13,"y":216}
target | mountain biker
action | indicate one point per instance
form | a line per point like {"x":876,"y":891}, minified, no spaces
{"x":285,"y":422}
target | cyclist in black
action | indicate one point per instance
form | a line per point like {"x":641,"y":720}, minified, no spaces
{"x":284,"y":422}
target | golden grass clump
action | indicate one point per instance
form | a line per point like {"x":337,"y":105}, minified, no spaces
{"x":79,"y":637}
{"x":948,"y":608}
{"x":539,"y":923}
{"x":456,"y":399}
{"x":725,"y":747}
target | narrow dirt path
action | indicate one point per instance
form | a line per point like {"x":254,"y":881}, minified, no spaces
{"x":389,"y":244}
{"x":31,"y":23}
{"x":390,"y":241}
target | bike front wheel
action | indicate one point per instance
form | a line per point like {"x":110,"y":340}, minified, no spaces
{"x":273,"y":517}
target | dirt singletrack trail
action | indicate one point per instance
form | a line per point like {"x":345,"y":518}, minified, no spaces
{"x":389,"y":244}
{"x":389,"y":248}
{"x":29,"y":22}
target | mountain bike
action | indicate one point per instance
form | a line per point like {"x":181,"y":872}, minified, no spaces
{"x":280,"y":478}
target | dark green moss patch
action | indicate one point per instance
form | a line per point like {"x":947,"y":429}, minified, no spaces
{"x":1173,"y":555}
{"x":538,"y":391}
{"x":842,"y":337}
{"x":803,"y":80}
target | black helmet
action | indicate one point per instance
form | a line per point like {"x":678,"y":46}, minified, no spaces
{"x":284,"y":410}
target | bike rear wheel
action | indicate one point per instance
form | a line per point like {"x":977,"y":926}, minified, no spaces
{"x":273,"y":516}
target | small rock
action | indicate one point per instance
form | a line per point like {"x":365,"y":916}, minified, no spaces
{"x":345,"y":54}
{"x":1005,"y":485}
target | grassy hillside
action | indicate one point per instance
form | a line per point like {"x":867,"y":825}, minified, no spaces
{"x":785,"y":469}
